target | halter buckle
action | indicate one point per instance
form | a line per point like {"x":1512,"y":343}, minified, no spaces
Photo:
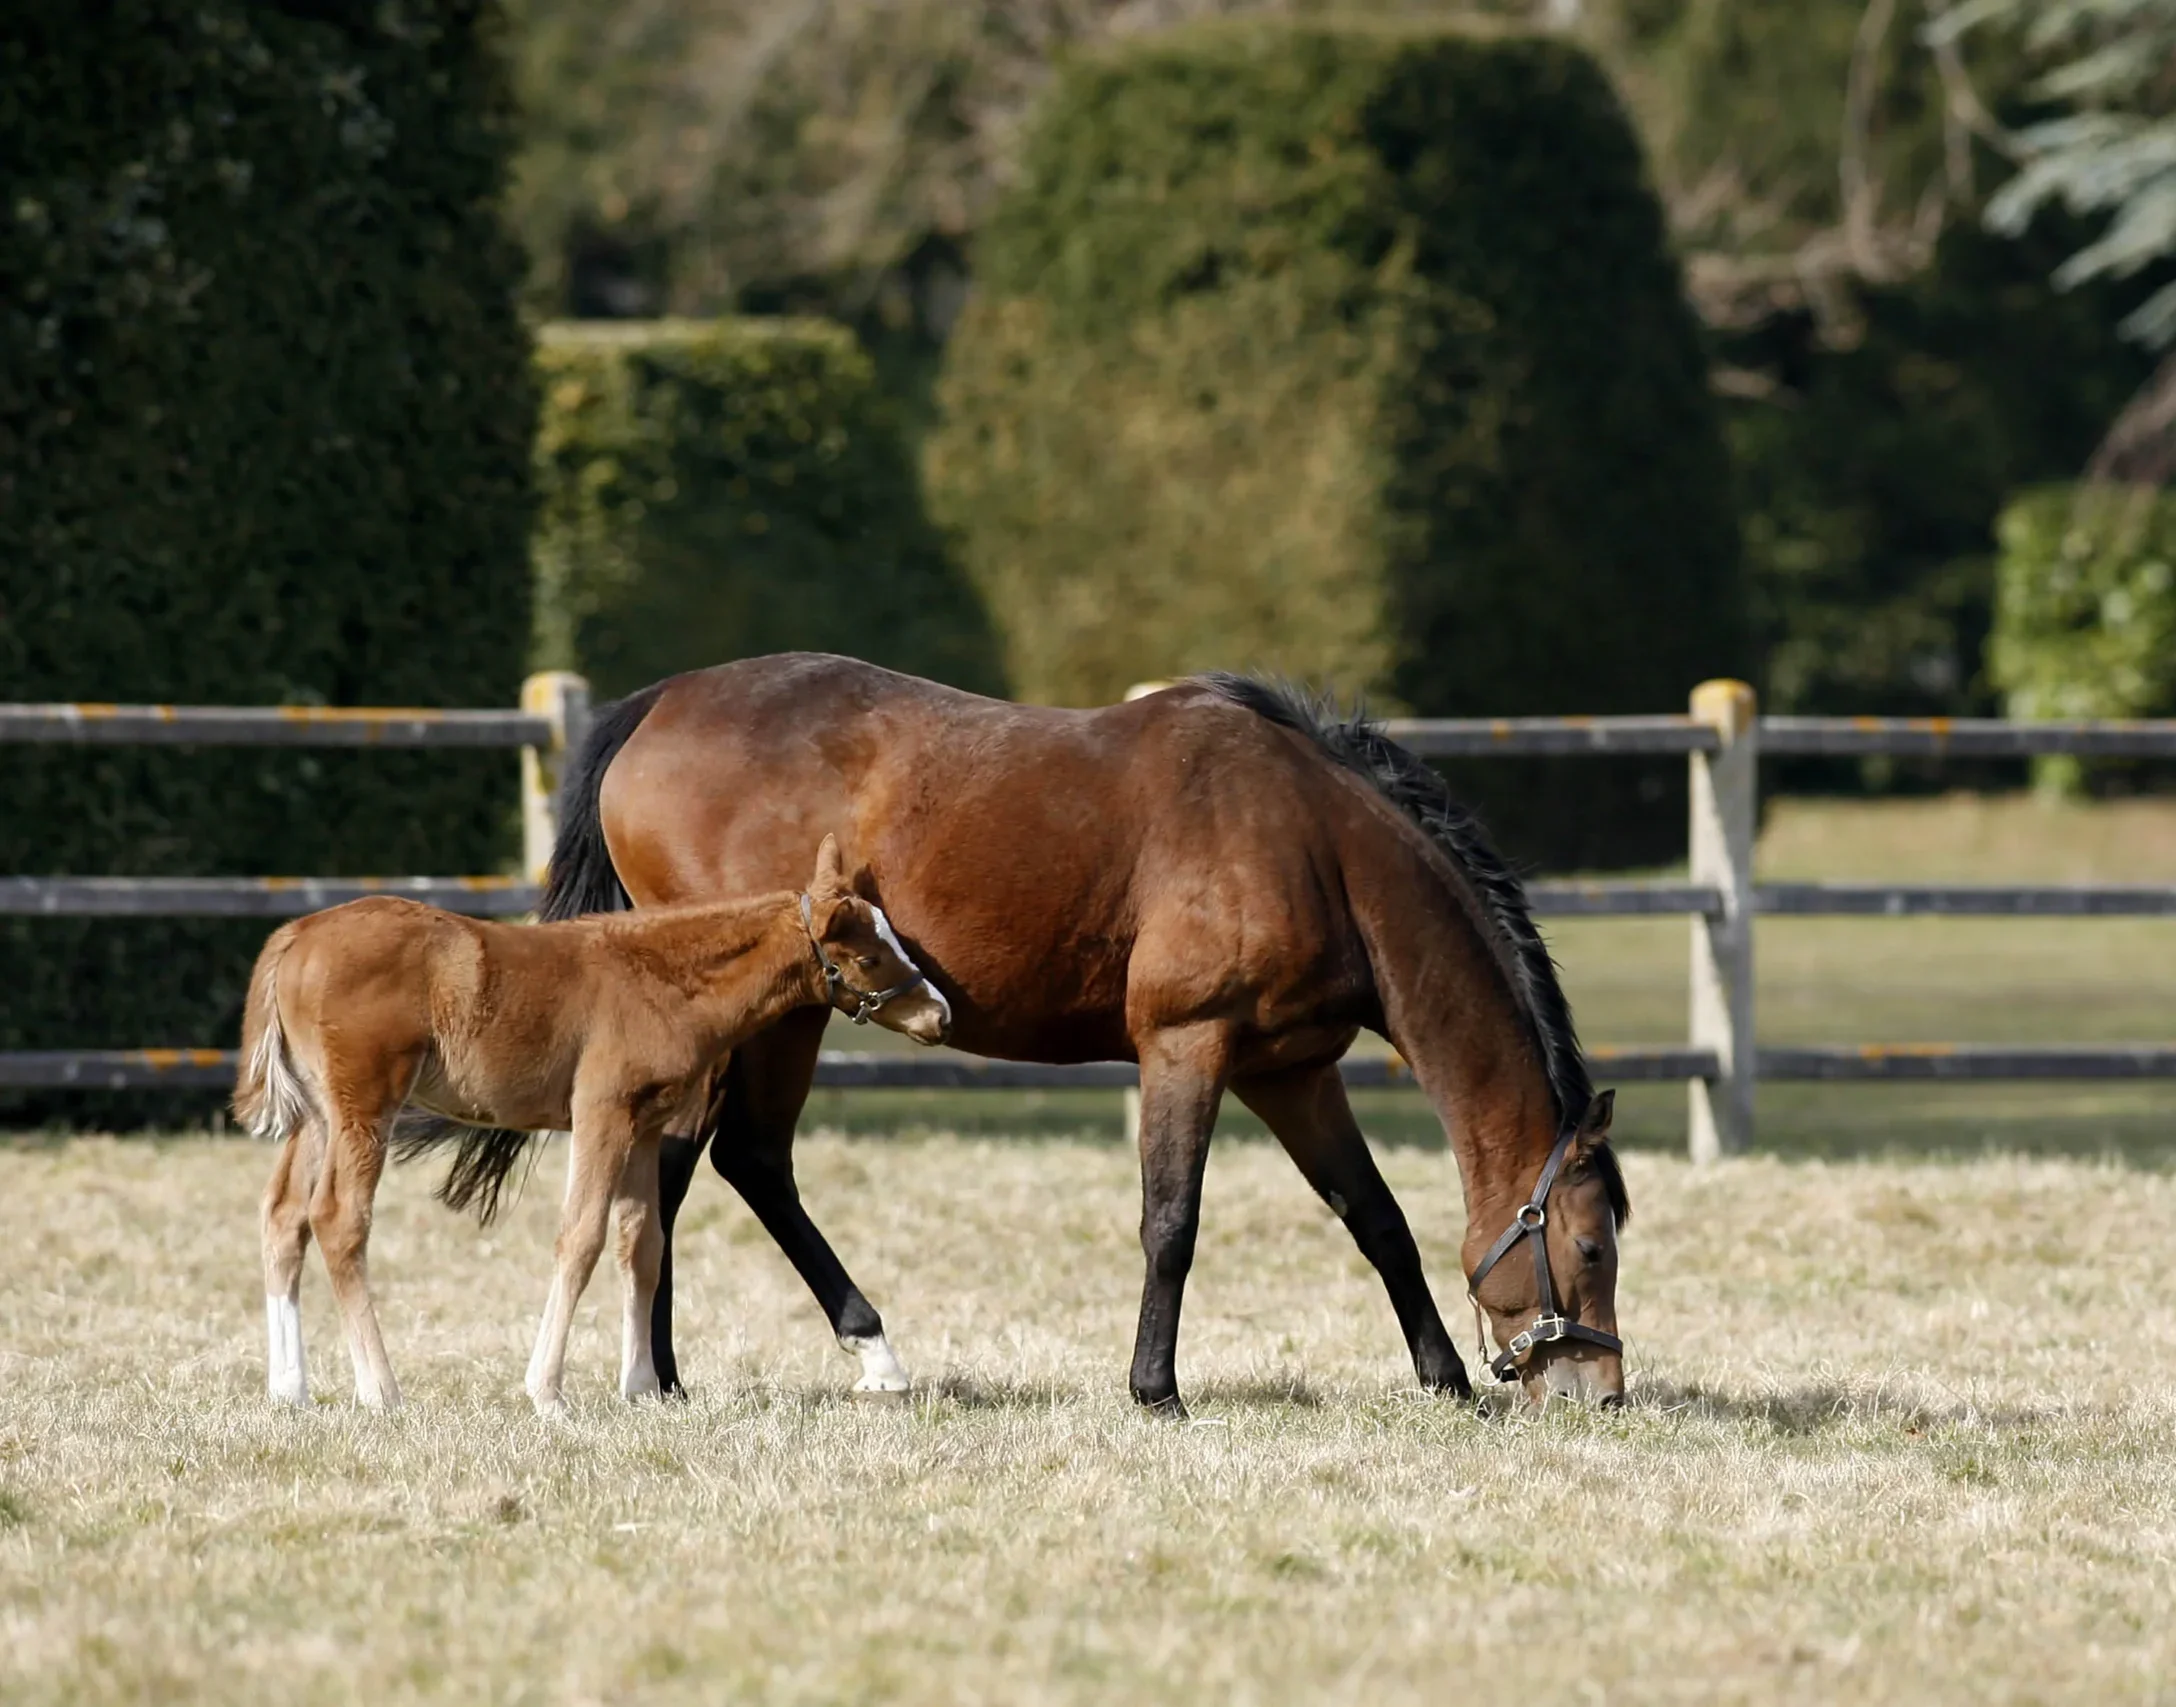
{"x":1545,"y":1330}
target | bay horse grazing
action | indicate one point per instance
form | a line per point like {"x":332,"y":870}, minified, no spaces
{"x":1223,"y":881}
{"x":604,"y":1027}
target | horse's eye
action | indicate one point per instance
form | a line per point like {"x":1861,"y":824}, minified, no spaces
{"x":867,"y":962}
{"x":1590,"y":1250}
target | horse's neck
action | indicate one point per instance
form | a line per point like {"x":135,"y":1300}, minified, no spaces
{"x":1448,"y":1010}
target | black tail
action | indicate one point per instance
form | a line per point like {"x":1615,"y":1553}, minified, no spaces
{"x":581,"y":881}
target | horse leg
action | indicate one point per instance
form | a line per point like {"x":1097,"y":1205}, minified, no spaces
{"x":1182,"y":1078}
{"x":641,"y":1251}
{"x":765,"y":1088}
{"x":602,"y":1142}
{"x":676,"y":1159}
{"x":340,"y":1214}
{"x":286,"y":1234}
{"x":1308,"y":1111}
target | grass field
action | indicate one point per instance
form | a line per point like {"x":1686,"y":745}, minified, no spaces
{"x":1899,"y":1433}
{"x":1903,"y":1418}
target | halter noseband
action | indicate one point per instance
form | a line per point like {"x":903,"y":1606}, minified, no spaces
{"x":1551,"y":1324}
{"x":866,"y":1002}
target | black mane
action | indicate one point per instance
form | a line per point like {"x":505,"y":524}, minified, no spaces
{"x":1408,"y":783}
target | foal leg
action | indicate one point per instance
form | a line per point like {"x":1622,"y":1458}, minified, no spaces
{"x":286,"y":1230}
{"x":1308,"y":1111}
{"x":641,"y":1257}
{"x":765,"y":1088}
{"x":601,"y":1144}
{"x":340,"y":1213}
{"x":1182,"y":1078}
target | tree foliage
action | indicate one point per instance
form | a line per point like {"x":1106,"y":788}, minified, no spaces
{"x":1356,"y":354}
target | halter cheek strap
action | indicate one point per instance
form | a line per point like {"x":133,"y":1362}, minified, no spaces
{"x":1550,"y":1324}
{"x":866,"y":1002}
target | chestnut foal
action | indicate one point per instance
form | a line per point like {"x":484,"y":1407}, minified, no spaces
{"x":606,"y":1027}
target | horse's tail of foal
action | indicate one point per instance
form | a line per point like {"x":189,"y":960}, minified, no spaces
{"x":270,"y":1098}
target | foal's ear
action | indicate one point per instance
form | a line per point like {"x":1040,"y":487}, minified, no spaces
{"x":1594,"y":1124}
{"x":830,"y":878}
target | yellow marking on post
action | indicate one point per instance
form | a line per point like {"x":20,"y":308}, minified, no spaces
{"x":280,"y":885}
{"x":1500,"y":727}
{"x":95,"y":708}
{"x":1911,"y":1051}
{"x":484,"y":885}
{"x":158,"y":1060}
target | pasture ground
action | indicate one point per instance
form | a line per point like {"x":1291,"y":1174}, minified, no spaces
{"x":1901,"y":1432}
{"x":1903,"y":1428}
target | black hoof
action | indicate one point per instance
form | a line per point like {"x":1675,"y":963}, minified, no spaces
{"x":1166,"y":1407}
{"x":1452,"y":1380}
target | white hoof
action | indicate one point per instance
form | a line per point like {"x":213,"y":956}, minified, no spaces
{"x":864,"y":1394}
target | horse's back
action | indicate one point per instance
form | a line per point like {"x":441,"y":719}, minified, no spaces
{"x":1026,"y":849}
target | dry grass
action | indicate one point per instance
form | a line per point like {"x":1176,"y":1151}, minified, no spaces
{"x":1902,"y":1432}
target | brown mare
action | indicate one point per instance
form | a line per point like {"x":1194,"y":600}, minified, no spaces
{"x":607,"y":1027}
{"x":1222,"y":881}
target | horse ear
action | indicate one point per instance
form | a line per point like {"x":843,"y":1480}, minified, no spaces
{"x":1594,"y":1124}
{"x":830,"y":876}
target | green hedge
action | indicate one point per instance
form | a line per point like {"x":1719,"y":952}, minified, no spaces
{"x":1356,"y":354}
{"x":2085,"y":610}
{"x":265,"y":424}
{"x":717,"y":489}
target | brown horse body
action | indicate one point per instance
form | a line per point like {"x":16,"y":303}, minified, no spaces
{"x":606,"y":1028}
{"x":1217,"y":881}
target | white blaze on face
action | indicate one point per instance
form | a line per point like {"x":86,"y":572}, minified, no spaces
{"x":892,"y":942}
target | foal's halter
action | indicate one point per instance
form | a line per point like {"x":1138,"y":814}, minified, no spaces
{"x":1551,"y":1324}
{"x":866,"y":1002}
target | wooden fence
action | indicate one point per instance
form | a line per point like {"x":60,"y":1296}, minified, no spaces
{"x":1720,"y":736}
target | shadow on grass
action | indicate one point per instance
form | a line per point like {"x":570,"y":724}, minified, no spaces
{"x":978,"y":1393}
{"x":1825,"y":1407}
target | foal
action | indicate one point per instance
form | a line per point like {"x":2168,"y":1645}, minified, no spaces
{"x":605,"y":1027}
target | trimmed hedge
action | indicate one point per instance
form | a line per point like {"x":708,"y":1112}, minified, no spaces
{"x":719,"y":489}
{"x":2085,"y":610}
{"x":265,"y":426}
{"x":1356,"y":354}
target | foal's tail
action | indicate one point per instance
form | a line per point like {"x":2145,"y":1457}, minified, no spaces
{"x":582,"y":880}
{"x":270,"y":1099}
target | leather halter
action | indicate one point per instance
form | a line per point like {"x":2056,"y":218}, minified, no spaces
{"x":1550,"y":1324}
{"x":866,"y":1002}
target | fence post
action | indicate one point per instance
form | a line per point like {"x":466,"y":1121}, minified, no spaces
{"x":562,"y":697}
{"x":1725,"y":807}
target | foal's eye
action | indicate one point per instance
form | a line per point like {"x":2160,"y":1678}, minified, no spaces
{"x":1590,"y":1250}
{"x":866,"y":962}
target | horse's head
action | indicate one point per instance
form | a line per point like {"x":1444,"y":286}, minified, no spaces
{"x":1548,"y":1282}
{"x":867,"y":969}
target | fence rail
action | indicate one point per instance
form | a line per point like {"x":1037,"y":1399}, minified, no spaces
{"x":270,"y":726}
{"x":1721,"y":738}
{"x":189,"y":1069}
{"x":252,"y":897}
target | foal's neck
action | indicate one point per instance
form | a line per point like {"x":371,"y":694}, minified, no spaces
{"x":736,"y":964}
